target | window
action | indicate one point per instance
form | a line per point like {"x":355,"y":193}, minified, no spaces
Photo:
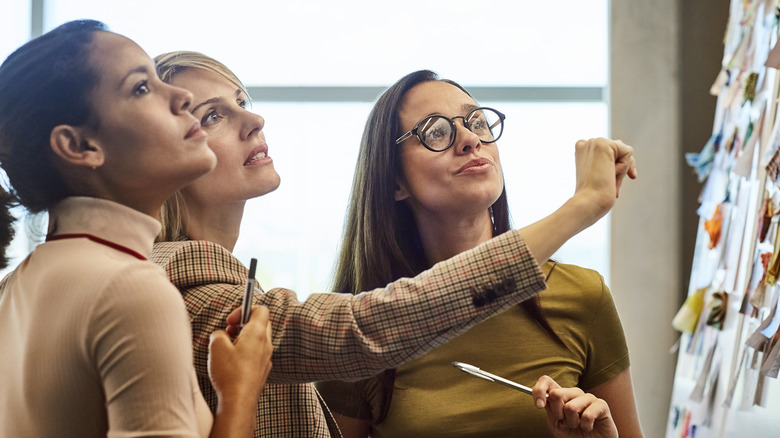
{"x":301,"y":59}
{"x":15,"y":22}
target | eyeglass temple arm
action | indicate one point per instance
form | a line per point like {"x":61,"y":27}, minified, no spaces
{"x":501,"y":118}
{"x":403,"y":137}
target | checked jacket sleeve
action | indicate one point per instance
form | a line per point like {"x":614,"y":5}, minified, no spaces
{"x":350,"y":337}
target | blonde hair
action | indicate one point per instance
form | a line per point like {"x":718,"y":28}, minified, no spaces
{"x":173,"y":214}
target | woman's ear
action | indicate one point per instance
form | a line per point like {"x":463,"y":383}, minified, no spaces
{"x":72,"y":146}
{"x":401,"y":192}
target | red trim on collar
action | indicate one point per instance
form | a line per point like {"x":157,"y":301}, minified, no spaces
{"x":108,"y":243}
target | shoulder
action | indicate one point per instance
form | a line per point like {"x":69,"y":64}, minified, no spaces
{"x":83,"y":265}
{"x":575,"y":290}
{"x":141,"y":281}
{"x":568,"y":278}
{"x":164,"y":253}
{"x":195,"y":262}
{"x":133,"y":298}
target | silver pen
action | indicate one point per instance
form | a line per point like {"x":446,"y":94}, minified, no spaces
{"x":474,"y":371}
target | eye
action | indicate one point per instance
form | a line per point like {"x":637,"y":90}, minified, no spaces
{"x":243,"y":103}
{"x":478,"y":124}
{"x":211,"y":117}
{"x":436,"y":129}
{"x":141,"y":88}
{"x":437,"y":133}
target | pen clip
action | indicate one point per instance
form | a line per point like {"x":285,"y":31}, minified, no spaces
{"x":471,"y":369}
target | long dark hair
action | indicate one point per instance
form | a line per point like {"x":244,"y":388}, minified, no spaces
{"x":381,"y":241}
{"x":46,"y":82}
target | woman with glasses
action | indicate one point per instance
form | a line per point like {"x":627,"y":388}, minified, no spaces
{"x":338,"y":336}
{"x":429,"y":177}
{"x":94,"y":339}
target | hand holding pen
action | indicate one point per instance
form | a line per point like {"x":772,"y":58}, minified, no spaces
{"x":571,"y":412}
{"x":238,"y":369}
{"x":236,"y":320}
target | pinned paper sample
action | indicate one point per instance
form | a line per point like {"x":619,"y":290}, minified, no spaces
{"x":686,"y":318}
{"x":773,"y":270}
{"x":759,"y":338}
{"x":718,"y":307}
{"x":768,"y":211}
{"x":738,"y":57}
{"x":773,"y":59}
{"x":701,"y":383}
{"x":702,"y":161}
{"x":714,"y":226}
{"x":744,"y":164}
{"x":757,"y":288}
{"x":771,"y":364}
{"x":734,"y":379}
{"x":720,"y":82}
{"x":774,"y":322}
{"x":750,"y":86}
{"x":773,"y":163}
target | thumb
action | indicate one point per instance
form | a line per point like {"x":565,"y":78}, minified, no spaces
{"x":219,"y":343}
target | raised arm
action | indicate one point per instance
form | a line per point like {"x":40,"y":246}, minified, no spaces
{"x":344,"y":336}
{"x":338,"y":336}
{"x":601,"y":166}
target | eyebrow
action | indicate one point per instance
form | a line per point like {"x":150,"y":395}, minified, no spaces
{"x":140,"y":69}
{"x":468,"y":107}
{"x":214,"y":100}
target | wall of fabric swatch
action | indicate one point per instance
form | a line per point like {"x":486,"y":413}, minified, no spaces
{"x":728,"y":352}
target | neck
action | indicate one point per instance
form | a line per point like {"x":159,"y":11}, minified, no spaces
{"x":219,"y":224}
{"x":444,"y":236}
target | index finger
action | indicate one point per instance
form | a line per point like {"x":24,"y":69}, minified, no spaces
{"x":259,"y":315}
{"x":542,"y":387}
{"x":624,"y":157}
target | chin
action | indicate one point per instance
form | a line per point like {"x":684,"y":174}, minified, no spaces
{"x":267,"y":187}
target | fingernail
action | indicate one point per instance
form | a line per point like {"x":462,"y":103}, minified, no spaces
{"x":539,"y":403}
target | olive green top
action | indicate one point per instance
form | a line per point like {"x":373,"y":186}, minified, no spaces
{"x":433,"y":399}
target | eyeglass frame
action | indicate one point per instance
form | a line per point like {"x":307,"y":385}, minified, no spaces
{"x":451,"y":120}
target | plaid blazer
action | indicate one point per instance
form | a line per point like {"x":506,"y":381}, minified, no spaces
{"x":343,"y":336}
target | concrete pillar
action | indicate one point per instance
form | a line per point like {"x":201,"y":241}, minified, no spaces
{"x":646,"y":267}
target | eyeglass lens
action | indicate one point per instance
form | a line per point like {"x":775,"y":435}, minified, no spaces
{"x":437,"y":131}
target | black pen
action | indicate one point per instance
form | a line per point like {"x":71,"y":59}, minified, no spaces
{"x":246,"y":304}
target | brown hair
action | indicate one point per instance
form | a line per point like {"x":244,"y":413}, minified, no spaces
{"x":381,"y":241}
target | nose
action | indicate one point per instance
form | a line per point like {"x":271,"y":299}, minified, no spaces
{"x":253,"y":124}
{"x":181,"y":100}
{"x":465,"y":140}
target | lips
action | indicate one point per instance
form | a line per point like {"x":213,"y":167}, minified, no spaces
{"x":257,"y":153}
{"x":194,"y":130}
{"x":481,"y":162}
